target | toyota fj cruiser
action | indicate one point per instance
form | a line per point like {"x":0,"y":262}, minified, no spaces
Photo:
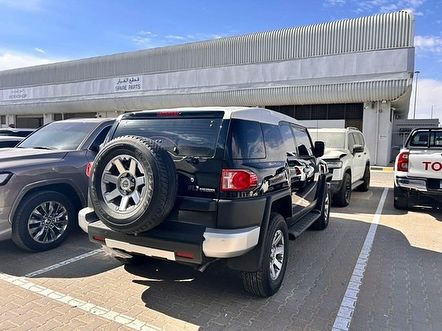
{"x":196,"y":185}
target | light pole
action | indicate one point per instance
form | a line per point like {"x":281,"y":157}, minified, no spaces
{"x":417,"y":72}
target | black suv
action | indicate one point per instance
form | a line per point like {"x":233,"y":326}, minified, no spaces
{"x":195,"y":185}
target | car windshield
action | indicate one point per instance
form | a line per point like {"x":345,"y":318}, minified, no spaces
{"x":330,"y":139}
{"x":59,"y":135}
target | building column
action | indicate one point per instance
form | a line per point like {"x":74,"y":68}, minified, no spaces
{"x":10,"y":119}
{"x":48,"y":118}
{"x":377,"y":129}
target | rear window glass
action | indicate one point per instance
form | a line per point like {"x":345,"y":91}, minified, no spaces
{"x":420,"y":139}
{"x":181,"y":136}
{"x":246,"y":140}
{"x":436,"y":139}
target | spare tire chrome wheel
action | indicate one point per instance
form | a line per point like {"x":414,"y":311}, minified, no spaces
{"x":133,"y":184}
{"x":125,"y":183}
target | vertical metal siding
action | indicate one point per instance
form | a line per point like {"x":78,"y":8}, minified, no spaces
{"x":393,"y":30}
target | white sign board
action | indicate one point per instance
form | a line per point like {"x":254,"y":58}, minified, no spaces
{"x":128,"y":84}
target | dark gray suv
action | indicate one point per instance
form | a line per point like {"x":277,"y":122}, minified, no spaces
{"x":43,"y":182}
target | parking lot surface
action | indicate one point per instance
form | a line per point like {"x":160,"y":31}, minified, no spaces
{"x":399,"y":287}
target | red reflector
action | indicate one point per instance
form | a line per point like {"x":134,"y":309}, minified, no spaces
{"x":99,"y":238}
{"x":168,"y":113}
{"x":402,"y":161}
{"x":187,"y":255}
{"x":238,"y":180}
{"x":89,"y":168}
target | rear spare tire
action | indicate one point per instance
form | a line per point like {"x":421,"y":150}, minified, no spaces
{"x":133,"y":184}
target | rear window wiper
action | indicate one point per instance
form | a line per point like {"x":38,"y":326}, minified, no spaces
{"x":43,"y":147}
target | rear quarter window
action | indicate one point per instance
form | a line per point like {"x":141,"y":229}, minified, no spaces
{"x":246,"y":140}
{"x":275,"y":146}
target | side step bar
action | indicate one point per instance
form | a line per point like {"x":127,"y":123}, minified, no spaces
{"x":304,"y":223}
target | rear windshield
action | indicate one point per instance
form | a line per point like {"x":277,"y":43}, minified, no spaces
{"x":427,"y":139}
{"x":181,"y":136}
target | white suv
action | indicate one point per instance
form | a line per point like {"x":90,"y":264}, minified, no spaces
{"x":348,"y":160}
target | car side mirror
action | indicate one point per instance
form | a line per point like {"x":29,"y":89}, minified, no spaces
{"x":319,"y":149}
{"x":358,"y":149}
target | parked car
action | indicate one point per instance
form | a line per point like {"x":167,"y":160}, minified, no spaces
{"x":16,"y":132}
{"x":196,"y":185}
{"x":418,"y":170}
{"x":9,"y":141}
{"x":43,"y":182}
{"x":348,"y":159}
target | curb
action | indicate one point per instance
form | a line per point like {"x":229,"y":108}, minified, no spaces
{"x":384,"y":169}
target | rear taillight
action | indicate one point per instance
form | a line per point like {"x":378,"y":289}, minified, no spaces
{"x":402,"y":161}
{"x":89,"y":169}
{"x":238,"y":180}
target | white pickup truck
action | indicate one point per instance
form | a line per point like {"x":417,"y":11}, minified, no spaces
{"x":418,"y":170}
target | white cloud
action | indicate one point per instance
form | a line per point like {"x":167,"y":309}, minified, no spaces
{"x":11,"y":60}
{"x":334,"y":3}
{"x":148,"y":39}
{"x":29,"y":5}
{"x":39,"y":50}
{"x":429,"y":94}
{"x":428,"y":43}
{"x":378,"y":6}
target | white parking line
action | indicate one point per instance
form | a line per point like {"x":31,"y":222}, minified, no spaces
{"x":105,"y":313}
{"x":63,"y":263}
{"x":348,"y":304}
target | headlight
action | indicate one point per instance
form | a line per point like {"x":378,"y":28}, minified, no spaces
{"x":4,"y":177}
{"x":334,"y":164}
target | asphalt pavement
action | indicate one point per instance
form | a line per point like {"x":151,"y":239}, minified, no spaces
{"x":364,"y":272}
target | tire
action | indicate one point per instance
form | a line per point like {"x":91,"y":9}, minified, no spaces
{"x":261,"y":283}
{"x":366,"y":184}
{"x":343,"y":196}
{"x":45,"y":208}
{"x":138,"y":178}
{"x":322,"y":222}
{"x":400,"y":199}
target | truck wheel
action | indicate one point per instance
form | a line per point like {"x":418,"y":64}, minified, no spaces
{"x":133,"y":184}
{"x":400,"y":199}
{"x":322,"y":222}
{"x":43,"y":221}
{"x":268,"y":279}
{"x":343,"y":196}
{"x":366,"y":184}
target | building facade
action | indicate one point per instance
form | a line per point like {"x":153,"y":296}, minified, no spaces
{"x":355,"y":72}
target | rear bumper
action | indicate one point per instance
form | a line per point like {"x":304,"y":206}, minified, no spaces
{"x":422,"y":185}
{"x":173,"y":240}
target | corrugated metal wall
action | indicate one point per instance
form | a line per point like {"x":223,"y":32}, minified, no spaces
{"x":386,"y":31}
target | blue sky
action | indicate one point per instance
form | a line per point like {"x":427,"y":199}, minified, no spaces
{"x":43,"y":31}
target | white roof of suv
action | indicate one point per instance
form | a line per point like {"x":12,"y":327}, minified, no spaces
{"x":246,"y":113}
{"x":337,"y":130}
